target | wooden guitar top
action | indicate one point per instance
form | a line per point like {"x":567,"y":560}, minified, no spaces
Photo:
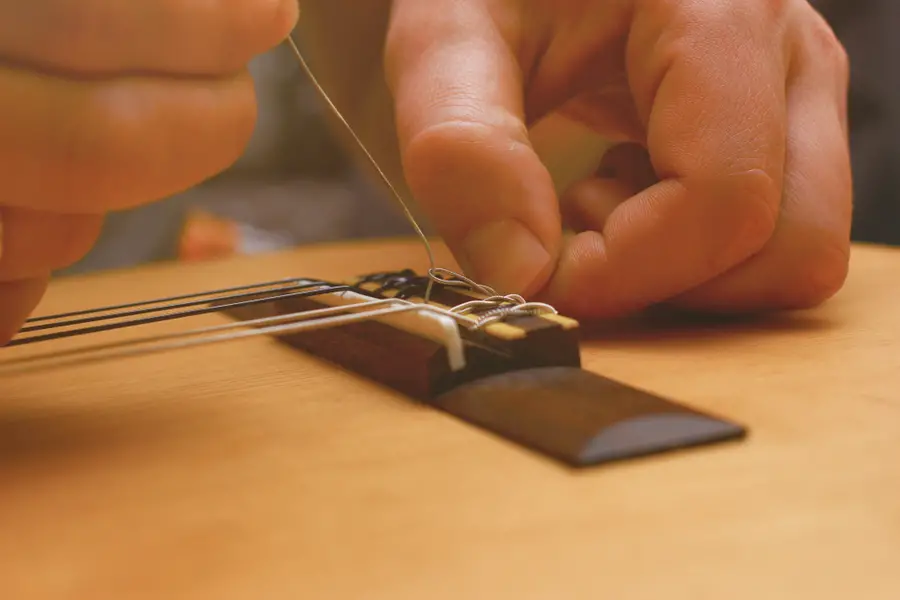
{"x":249,"y":470}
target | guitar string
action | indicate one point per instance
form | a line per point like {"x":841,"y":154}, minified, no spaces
{"x":235,"y":289}
{"x":277,"y":325}
{"x":194,"y":312}
{"x":486,"y":311}
{"x":149,"y":308}
{"x":320,"y":90}
{"x":266,"y":326}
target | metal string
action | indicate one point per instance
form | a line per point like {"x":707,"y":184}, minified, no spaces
{"x":179,"y":315}
{"x":265,"y":326}
{"x":240,"y":288}
{"x":149,"y":308}
{"x":397,"y":196}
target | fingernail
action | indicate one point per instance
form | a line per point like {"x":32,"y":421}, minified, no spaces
{"x":506,"y":256}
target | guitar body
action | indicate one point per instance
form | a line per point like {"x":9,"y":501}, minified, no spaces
{"x":348,"y":466}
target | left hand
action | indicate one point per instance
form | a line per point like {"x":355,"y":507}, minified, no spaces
{"x":111,"y":105}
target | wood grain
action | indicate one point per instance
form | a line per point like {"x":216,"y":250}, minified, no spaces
{"x":245,"y":471}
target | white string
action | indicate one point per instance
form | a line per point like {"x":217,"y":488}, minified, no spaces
{"x":276,"y":325}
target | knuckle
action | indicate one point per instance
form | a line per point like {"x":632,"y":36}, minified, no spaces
{"x":839,"y":56}
{"x":842,"y":63}
{"x":402,"y":44}
{"x":819,"y":275}
{"x":438,"y":143}
{"x":432,"y":150}
{"x":702,"y":17}
{"x":775,"y":9}
{"x":826,"y":46}
{"x":463,"y":172}
{"x":697,"y":21}
{"x":761,"y":216}
{"x":755,"y":199}
{"x":396,"y":37}
{"x":461,"y":143}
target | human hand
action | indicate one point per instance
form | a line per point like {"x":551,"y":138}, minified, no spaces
{"x":740,"y":198}
{"x":108,"y":105}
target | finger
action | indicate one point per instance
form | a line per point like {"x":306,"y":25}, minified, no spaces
{"x":464,"y":144}
{"x":180,"y":36}
{"x":806,"y":261}
{"x":34,"y":244}
{"x":587,"y":204}
{"x":18,"y":299}
{"x":716,"y":134}
{"x":624,"y":171}
{"x":93,"y":147}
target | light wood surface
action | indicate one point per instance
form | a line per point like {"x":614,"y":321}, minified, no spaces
{"x":246,"y":471}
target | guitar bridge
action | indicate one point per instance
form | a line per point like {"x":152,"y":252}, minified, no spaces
{"x":508,"y":366}
{"x":522,"y":377}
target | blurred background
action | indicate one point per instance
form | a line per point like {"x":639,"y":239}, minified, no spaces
{"x":296,"y":185}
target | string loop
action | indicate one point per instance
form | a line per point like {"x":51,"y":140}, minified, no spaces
{"x":436,"y":275}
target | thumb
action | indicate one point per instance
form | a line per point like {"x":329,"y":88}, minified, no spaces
{"x":464,"y":143}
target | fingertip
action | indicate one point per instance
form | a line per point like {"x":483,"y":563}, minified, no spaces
{"x":286,"y":16}
{"x":18,"y":299}
{"x":465,"y":147}
{"x":573,"y":287}
{"x":36,"y":242}
{"x":492,"y":201}
{"x":507,"y":256}
{"x":254,"y":27}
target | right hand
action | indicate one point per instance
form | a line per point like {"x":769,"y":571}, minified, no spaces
{"x":724,"y":183}
{"x":109,"y":105}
